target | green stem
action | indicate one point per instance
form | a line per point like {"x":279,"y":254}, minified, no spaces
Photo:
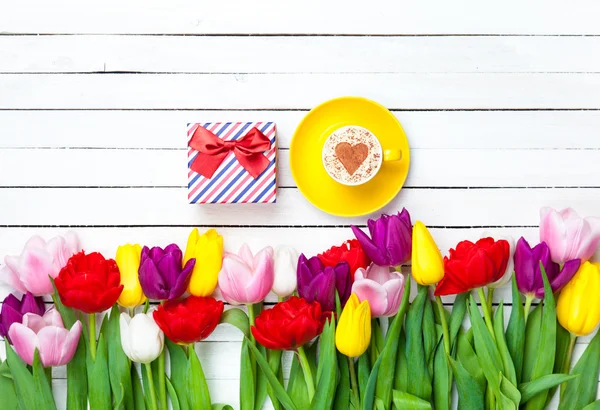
{"x":445,"y":331}
{"x":162,"y":386}
{"x":490,"y":298}
{"x":48,"y":371}
{"x":310,"y":383}
{"x":146,"y":306}
{"x":251,"y":318}
{"x":528,"y":300}
{"x":280,"y":299}
{"x":354,"y":382}
{"x":567,"y":364}
{"x":132,"y":312}
{"x":486,"y":312}
{"x":93,"y":335}
{"x":152,"y":392}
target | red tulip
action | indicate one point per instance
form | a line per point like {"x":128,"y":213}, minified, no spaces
{"x":189,"y":320}
{"x":473,"y":265}
{"x":351,"y":251}
{"x":290,"y":324}
{"x":89,"y":283}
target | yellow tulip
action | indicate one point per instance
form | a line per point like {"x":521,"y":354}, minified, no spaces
{"x":128,"y":261}
{"x":427,"y":262}
{"x":208,"y":251}
{"x":353,"y":333}
{"x":577,"y":308}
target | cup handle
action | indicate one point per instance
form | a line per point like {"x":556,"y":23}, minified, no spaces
{"x":392,"y":155}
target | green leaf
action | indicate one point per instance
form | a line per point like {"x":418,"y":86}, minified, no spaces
{"x":543,"y":364}
{"x":327,"y":369}
{"x":487,"y":352}
{"x":138,"y":392}
{"x":178,"y":367}
{"x":172,"y":394}
{"x":471,"y":390}
{"x":274,"y":359}
{"x":342,"y":392}
{"x":515,"y":331}
{"x":119,"y":366}
{"x":530,"y":389}
{"x":385,"y":371}
{"x":100,"y":398}
{"x":430,"y":337}
{"x":22,"y":378}
{"x":296,"y":388}
{"x":146,"y":384}
{"x":247,"y":381}
{"x":364,"y":370}
{"x":562,"y":345}
{"x":509,"y":367}
{"x":593,"y":406}
{"x":401,"y":365}
{"x":41,"y":385}
{"x":197,"y":387}
{"x":509,"y":393}
{"x":467,"y":357}
{"x":280,"y":392}
{"x":404,"y":401}
{"x":442,"y":379}
{"x":220,"y":406}
{"x":532,"y":342}
{"x":7,"y":388}
{"x":459,"y":309}
{"x":582,"y":390}
{"x":419,"y":382}
{"x":261,"y":384}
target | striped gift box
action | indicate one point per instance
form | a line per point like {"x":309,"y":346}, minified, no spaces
{"x":231,"y":183}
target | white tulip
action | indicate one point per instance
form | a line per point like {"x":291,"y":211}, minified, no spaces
{"x":141,"y":338}
{"x":286,"y":261}
{"x":510,"y":266}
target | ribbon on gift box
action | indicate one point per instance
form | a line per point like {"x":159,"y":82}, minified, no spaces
{"x":212,"y":150}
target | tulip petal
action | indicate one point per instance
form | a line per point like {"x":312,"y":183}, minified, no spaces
{"x":152,"y":282}
{"x":234,"y":276}
{"x":566,"y":274}
{"x":394,"y":289}
{"x":369,"y":247}
{"x":183,"y":280}
{"x":373,"y":292}
{"x":34,"y":267}
{"x":35,"y":242}
{"x":32,"y":304}
{"x":53,"y":318}
{"x":70,"y":345}
{"x":146,"y":339}
{"x":51,"y":341}
{"x":380,"y":274}
{"x":124,"y":320}
{"x":246,"y":255}
{"x":11,"y":278}
{"x":34,"y":322}
{"x":24,"y":341}
{"x":262,"y":279}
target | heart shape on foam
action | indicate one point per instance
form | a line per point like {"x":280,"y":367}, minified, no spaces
{"x":351,"y":156}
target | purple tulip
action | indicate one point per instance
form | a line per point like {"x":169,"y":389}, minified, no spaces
{"x":528,"y":272}
{"x":161,"y":275}
{"x":390,"y":243}
{"x":317,"y":282}
{"x":13,"y":310}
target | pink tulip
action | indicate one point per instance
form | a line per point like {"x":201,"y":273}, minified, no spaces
{"x":382,"y":288}
{"x":39,"y":259}
{"x":568,"y":235}
{"x":48,"y":335}
{"x":245,"y":278}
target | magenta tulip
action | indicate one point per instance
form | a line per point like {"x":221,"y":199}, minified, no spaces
{"x":317,"y":282}
{"x":48,"y":335}
{"x":161,"y":274}
{"x":246,"y":278}
{"x":390,"y":243}
{"x":13,"y":310}
{"x":29,"y":272}
{"x":381,"y":287}
{"x":568,"y":235}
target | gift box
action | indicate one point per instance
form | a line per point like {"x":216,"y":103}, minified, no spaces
{"x":232,"y":162}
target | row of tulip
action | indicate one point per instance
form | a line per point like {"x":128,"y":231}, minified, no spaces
{"x":358,"y":341}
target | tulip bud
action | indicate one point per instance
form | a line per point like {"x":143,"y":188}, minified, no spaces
{"x":141,"y":338}
{"x":208,"y":251}
{"x":510,"y":266}
{"x":353,"y":333}
{"x":128,"y":261}
{"x":286,"y":261}
{"x":427,"y":262}
{"x":577,"y":308}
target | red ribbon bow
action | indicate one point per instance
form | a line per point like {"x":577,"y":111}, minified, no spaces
{"x":212,"y":150}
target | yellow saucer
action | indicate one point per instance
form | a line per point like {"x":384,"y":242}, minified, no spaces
{"x":310,"y":174}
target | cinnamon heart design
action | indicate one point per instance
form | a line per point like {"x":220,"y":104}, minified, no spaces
{"x":351,"y":156}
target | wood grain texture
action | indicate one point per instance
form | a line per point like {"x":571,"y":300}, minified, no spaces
{"x":500,"y":103}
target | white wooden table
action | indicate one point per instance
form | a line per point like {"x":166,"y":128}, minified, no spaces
{"x":500,"y":102}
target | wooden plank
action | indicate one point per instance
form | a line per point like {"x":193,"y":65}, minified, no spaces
{"x":462,"y":168}
{"x":168,"y":206}
{"x":243,"y":54}
{"x":293,"y":91}
{"x":427,"y":17}
{"x":425,"y":129}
